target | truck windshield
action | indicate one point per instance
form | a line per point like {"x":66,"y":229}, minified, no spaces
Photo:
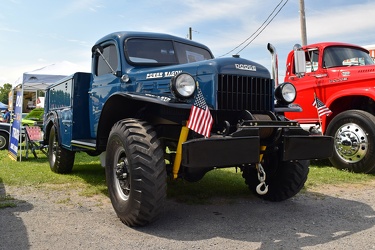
{"x":163,"y":52}
{"x":345,"y":56}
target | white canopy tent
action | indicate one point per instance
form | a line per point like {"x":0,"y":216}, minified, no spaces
{"x":40,"y":79}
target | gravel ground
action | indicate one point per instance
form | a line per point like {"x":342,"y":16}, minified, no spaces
{"x":330,"y":217}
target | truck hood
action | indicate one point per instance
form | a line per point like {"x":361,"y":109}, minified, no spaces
{"x":228,"y":66}
{"x":156,"y":81}
{"x":233,"y":66}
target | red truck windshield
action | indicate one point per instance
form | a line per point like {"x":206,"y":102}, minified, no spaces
{"x":163,"y":52}
{"x":344,"y":56}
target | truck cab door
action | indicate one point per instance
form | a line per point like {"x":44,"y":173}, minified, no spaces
{"x":306,"y":86}
{"x":66,"y":126}
{"x":104,"y":81}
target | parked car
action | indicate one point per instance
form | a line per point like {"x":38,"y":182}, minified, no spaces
{"x":34,"y":118}
{"x":4,"y":135}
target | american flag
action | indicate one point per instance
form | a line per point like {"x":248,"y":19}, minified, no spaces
{"x":321,"y":107}
{"x":200,"y":119}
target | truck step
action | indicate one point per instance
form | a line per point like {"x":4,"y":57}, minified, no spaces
{"x":84,"y":143}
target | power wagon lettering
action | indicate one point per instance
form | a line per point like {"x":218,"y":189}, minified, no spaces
{"x":163,"y":74}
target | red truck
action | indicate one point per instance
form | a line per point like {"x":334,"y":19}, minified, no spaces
{"x":340,"y":77}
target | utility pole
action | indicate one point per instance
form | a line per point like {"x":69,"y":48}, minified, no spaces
{"x":190,"y":34}
{"x":303,"y":22}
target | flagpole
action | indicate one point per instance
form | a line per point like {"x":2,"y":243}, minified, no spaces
{"x":317,"y":111}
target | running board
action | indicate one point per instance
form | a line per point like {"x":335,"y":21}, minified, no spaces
{"x":84,"y":143}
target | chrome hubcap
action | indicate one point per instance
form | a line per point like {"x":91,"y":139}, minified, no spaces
{"x":351,"y":143}
{"x":2,"y":141}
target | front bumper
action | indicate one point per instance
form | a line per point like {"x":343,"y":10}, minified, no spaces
{"x":238,"y":150}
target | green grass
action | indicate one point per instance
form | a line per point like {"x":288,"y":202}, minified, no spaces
{"x":7,"y":201}
{"x":323,"y":173}
{"x":89,"y":178}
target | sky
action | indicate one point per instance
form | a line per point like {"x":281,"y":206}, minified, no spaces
{"x":37,"y":33}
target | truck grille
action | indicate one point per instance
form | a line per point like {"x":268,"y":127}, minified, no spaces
{"x":244,"y":92}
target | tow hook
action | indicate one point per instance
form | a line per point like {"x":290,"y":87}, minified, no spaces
{"x":262,"y":188}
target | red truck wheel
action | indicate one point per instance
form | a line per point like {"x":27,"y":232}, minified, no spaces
{"x":354,"y":137}
{"x":135,"y":172}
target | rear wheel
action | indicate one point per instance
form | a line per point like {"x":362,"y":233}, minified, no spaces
{"x":284,"y":179}
{"x":4,"y":140}
{"x":135,"y":172}
{"x":354,"y":138}
{"x":60,"y":159}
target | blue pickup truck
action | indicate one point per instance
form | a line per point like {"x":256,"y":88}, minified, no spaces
{"x":157,"y":105}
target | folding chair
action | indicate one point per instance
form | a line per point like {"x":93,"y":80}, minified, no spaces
{"x":34,"y":140}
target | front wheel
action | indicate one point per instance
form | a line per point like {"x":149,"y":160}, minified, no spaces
{"x":284,"y":179}
{"x":354,"y":138}
{"x":4,"y":140}
{"x":60,"y":159}
{"x":135,"y":172}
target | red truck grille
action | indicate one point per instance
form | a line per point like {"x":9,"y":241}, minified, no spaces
{"x":244,"y":92}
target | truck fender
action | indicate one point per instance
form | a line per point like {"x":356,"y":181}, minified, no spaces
{"x":153,"y":98}
{"x":112,"y":110}
{"x":369,"y":92}
{"x":52,"y":120}
{"x":333,"y":102}
{"x":6,"y":130}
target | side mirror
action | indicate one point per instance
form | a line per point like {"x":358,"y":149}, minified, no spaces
{"x":299,"y":61}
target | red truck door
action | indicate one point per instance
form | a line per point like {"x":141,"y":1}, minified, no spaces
{"x":306,"y":86}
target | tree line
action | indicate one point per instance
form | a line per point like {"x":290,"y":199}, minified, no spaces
{"x":4,"y":93}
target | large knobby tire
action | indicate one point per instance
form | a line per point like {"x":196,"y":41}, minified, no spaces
{"x":284,"y":180}
{"x":4,"y":140}
{"x":135,"y":172}
{"x":354,"y":141}
{"x":60,"y":159}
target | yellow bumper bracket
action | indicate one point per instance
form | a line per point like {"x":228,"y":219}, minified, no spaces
{"x":177,"y":161}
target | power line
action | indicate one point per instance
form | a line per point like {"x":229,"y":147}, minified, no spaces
{"x":264,"y":27}
{"x":261,"y":28}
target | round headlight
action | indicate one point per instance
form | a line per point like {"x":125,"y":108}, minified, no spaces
{"x":183,"y":85}
{"x":286,"y":93}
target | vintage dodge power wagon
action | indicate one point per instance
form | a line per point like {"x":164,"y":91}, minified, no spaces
{"x":157,"y":105}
